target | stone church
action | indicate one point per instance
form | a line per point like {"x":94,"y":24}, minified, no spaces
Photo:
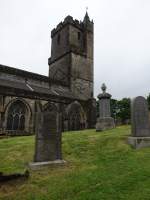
{"x":69,"y":84}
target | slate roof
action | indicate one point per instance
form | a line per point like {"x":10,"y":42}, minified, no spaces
{"x":53,"y":90}
{"x":23,"y":73}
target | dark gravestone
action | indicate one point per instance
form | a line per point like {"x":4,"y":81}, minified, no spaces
{"x":140,"y":117}
{"x":48,"y":137}
{"x":140,"y":123}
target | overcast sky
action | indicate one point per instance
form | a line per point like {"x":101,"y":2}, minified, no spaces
{"x":121,"y":40}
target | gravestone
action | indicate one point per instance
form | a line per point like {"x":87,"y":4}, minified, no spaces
{"x":140,"y":123}
{"x":105,"y":121}
{"x":48,"y":137}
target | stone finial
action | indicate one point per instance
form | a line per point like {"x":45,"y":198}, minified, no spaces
{"x":104,"y":95}
{"x":103,"y":87}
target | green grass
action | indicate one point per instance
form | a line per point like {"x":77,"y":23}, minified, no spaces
{"x":99,"y":166}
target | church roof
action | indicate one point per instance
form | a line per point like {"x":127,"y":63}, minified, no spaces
{"x":22,"y":89}
{"x":15,"y":87}
{"x":22,"y":73}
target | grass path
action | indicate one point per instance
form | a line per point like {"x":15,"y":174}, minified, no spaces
{"x":99,"y":166}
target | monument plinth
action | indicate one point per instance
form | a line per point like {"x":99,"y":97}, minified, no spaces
{"x":105,"y":121}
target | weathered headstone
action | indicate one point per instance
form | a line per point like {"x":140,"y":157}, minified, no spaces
{"x":48,"y":137}
{"x":105,"y":121}
{"x":140,"y":123}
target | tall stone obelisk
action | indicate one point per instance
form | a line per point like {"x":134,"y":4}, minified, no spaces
{"x":105,"y":121}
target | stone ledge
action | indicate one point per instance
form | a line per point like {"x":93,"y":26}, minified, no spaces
{"x":40,"y":165}
{"x":139,"y":142}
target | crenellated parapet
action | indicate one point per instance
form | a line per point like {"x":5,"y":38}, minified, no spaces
{"x":85,"y":24}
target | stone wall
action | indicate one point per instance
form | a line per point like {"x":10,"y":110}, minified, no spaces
{"x":82,"y":76}
{"x":29,"y":116}
{"x":60,"y":70}
{"x":86,"y":119}
{"x":76,"y":39}
{"x":60,"y":43}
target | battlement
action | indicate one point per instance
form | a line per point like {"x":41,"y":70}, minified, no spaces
{"x":85,"y":24}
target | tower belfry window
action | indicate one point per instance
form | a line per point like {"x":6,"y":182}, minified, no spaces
{"x":79,"y":35}
{"x":58,"y":39}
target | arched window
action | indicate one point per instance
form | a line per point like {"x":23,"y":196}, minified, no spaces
{"x":16,"y":116}
{"x":76,"y":116}
{"x":22,"y":122}
{"x":15,"y":124}
{"x":74,"y":120}
{"x":9,"y":122}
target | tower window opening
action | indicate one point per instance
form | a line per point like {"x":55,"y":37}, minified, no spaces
{"x":79,"y":35}
{"x":58,"y":39}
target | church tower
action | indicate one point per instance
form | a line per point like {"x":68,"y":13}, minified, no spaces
{"x":71,"y":61}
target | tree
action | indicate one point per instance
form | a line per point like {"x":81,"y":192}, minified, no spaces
{"x":148,"y":100}
{"x":120,"y":109}
{"x":114,"y":107}
{"x":124,"y":111}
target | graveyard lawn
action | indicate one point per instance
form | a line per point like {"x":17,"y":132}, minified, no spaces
{"x":100,"y":165}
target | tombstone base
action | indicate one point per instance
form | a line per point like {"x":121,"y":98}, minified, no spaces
{"x":40,"y":165}
{"x":139,"y":142}
{"x":105,"y":124}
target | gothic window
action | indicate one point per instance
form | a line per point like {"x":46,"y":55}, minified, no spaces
{"x":16,"y":116}
{"x":9,"y":122}
{"x":22,"y":122}
{"x":75,"y":121}
{"x":76,"y":116}
{"x":15,"y":124}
